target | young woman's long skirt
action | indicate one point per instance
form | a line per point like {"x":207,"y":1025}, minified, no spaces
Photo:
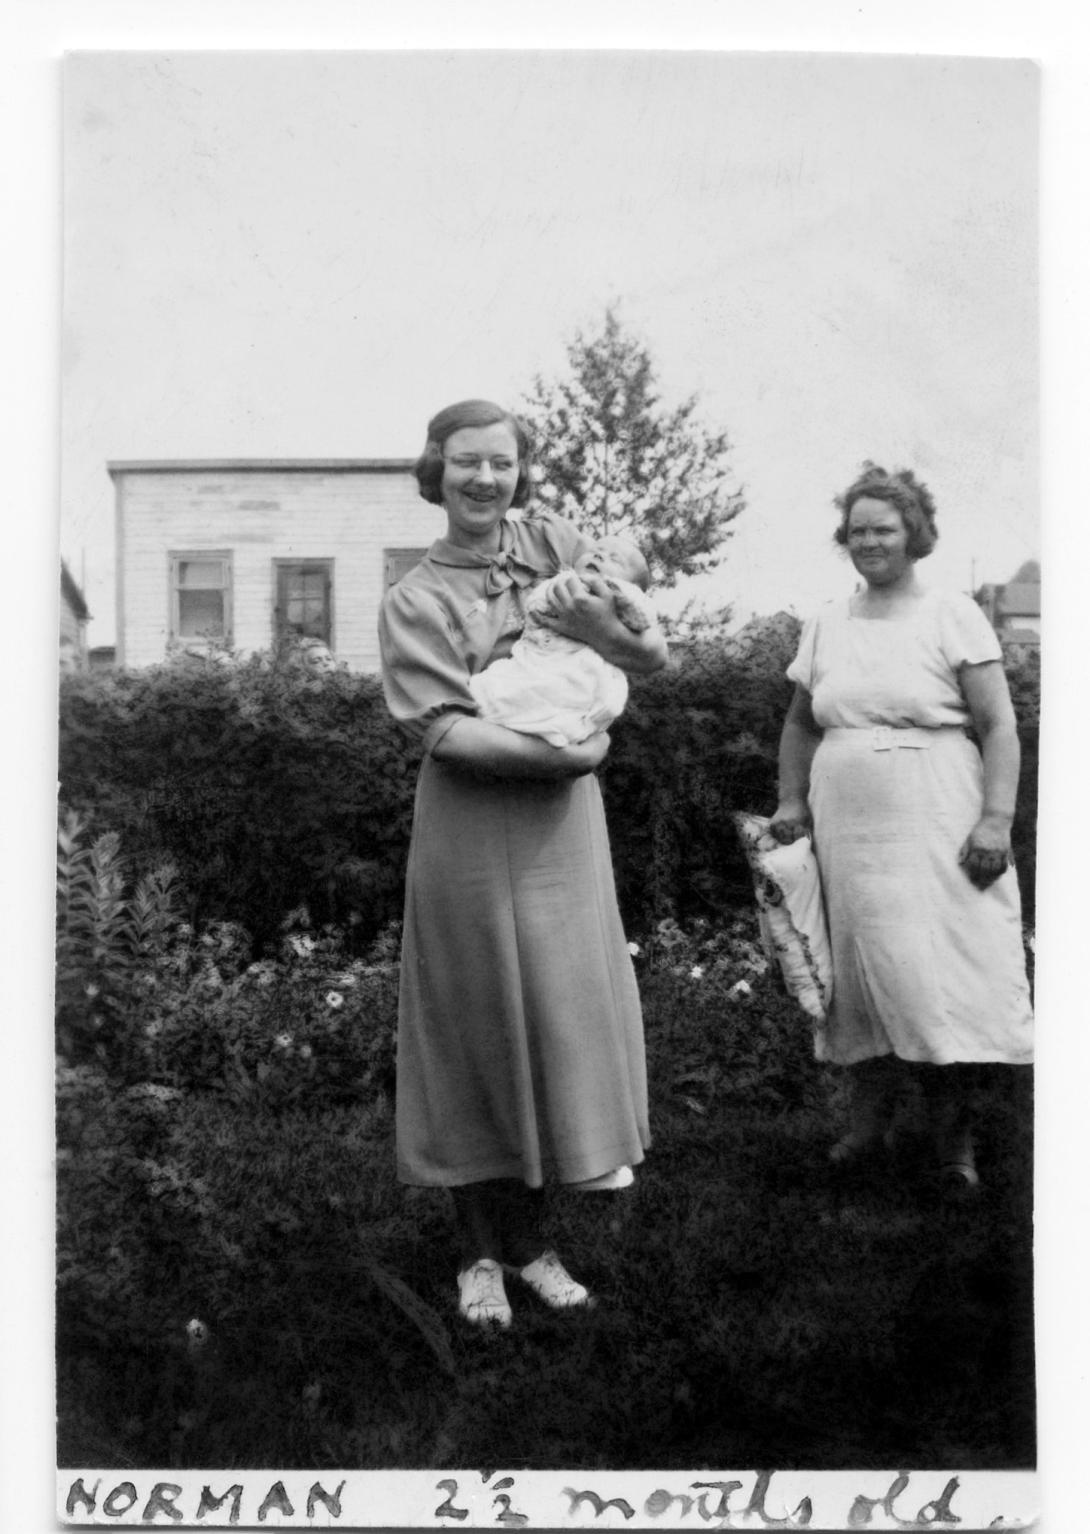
{"x":925,"y":965}
{"x":520,"y":1037}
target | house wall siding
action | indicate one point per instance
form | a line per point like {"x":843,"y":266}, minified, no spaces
{"x":71,"y":626}
{"x":258,"y":516}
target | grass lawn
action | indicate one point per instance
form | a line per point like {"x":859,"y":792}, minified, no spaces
{"x":754,"y":1309}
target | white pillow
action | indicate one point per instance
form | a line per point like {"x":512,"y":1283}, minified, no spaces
{"x":791,"y":913}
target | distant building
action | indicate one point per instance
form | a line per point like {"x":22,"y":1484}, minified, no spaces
{"x":73,"y":624}
{"x":1014,"y":609}
{"x":245,"y":554}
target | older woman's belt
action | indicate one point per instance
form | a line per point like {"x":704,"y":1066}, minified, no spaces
{"x":892,"y":737}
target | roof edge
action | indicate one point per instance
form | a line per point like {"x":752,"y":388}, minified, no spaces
{"x":116,"y":466}
{"x":71,"y":589}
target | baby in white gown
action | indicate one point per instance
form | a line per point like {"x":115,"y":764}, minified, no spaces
{"x":556,"y":688}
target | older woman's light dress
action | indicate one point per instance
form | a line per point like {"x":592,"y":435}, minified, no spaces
{"x":520,"y":1039}
{"x":926,"y":966}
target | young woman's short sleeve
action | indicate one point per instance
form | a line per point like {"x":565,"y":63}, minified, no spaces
{"x":424,"y":673}
{"x":557,"y":537}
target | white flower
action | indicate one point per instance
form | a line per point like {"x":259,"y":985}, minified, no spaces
{"x":303,"y":946}
{"x":740,"y":988}
{"x":196,"y":1333}
{"x":697,"y":972}
{"x":91,"y":989}
{"x":634,"y":949}
{"x":283,"y":1041}
{"x":305,"y":1051}
{"x":334,"y":999}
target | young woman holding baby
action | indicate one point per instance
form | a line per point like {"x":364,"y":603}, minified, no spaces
{"x":520,"y":1045}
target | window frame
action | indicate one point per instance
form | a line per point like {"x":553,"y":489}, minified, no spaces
{"x":281,"y":566}
{"x":178,"y":557}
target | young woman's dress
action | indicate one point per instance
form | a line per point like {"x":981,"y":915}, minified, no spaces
{"x":520,"y":1037}
{"x":925,"y":965}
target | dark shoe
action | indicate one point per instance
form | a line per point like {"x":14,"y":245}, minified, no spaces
{"x":855,"y":1148}
{"x":958,"y":1177}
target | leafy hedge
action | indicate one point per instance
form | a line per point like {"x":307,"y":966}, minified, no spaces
{"x":266,"y":790}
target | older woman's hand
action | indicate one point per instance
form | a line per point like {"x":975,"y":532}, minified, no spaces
{"x":791,"y":820}
{"x":986,"y":851}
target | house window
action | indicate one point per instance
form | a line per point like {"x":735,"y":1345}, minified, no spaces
{"x":399,"y":562}
{"x":200,"y":597}
{"x":304,"y":600}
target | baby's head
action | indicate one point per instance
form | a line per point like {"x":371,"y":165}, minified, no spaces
{"x":618,"y":559}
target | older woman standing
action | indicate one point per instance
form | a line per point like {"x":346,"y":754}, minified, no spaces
{"x":911,"y":824}
{"x":520,"y":1043}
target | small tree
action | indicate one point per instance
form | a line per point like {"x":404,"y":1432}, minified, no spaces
{"x":614,"y":459}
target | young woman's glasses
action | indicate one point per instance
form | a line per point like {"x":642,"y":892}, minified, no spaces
{"x":472,"y":462}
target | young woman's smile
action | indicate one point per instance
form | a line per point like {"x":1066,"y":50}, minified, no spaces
{"x":480,"y":476}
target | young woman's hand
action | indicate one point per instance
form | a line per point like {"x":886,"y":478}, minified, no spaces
{"x":791,"y":820}
{"x":580,"y":607}
{"x":585,"y":756}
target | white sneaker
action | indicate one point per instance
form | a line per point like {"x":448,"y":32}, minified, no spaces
{"x":550,"y":1280}
{"x":481,"y":1297}
{"x":609,"y":1182}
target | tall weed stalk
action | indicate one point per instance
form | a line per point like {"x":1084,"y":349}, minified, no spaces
{"x":108,"y":932}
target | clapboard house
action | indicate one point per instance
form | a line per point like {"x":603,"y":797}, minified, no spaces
{"x":74,"y":617}
{"x":241,"y":554}
{"x":1014,"y":608}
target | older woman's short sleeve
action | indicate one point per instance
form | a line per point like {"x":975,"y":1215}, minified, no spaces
{"x":424,"y":674}
{"x":967,"y":637}
{"x":801,"y":669}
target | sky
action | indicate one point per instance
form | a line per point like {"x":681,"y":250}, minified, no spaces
{"x":146,"y":367}
{"x":306,"y":254}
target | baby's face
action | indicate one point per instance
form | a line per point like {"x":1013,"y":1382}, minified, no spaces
{"x":613,"y":558}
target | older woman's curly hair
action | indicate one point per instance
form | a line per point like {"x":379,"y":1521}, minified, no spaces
{"x":901,"y":489}
{"x":470,"y":412}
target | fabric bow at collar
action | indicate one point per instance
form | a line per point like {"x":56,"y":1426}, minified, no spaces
{"x":503,"y":569}
{"x":506,"y":569}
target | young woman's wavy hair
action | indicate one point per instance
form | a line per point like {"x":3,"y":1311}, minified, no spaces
{"x":901,"y":489}
{"x":470,"y":412}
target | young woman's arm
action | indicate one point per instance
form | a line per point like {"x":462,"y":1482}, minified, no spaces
{"x":478,"y":745}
